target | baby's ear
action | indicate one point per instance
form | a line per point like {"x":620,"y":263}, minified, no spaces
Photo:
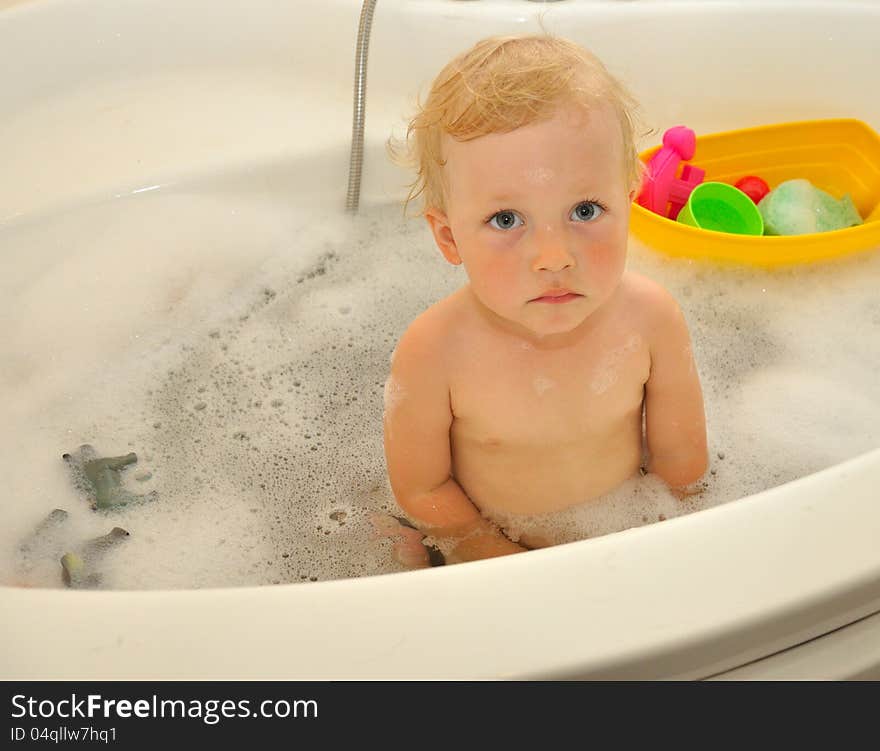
{"x":442,"y":231}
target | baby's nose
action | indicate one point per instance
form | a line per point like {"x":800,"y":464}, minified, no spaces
{"x":551,"y":251}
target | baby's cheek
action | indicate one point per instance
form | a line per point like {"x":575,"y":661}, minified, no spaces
{"x":607,"y":260}
{"x":498,"y":278}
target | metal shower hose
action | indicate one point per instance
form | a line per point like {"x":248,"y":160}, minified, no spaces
{"x":356,"y":159}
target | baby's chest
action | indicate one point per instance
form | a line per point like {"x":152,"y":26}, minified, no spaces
{"x":504,"y":399}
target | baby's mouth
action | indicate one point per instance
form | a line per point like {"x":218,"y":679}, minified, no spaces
{"x":557,"y":297}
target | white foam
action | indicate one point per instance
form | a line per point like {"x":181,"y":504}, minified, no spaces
{"x":241,"y":350}
{"x":542,"y":384}
{"x":608,"y":369}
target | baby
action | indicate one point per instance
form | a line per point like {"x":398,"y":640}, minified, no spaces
{"x":550,"y":377}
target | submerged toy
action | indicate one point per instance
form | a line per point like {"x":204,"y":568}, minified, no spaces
{"x":76,"y":574}
{"x":43,"y":531}
{"x":100,"y":478}
{"x":77,"y":569}
{"x":45,"y":541}
{"x":797,"y":207}
{"x":661,"y":185}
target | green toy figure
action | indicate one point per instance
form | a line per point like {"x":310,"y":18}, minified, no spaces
{"x":78,"y":568}
{"x":100,"y":478}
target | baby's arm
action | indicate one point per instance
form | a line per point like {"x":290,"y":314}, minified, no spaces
{"x":417,"y":420}
{"x":674,"y":416}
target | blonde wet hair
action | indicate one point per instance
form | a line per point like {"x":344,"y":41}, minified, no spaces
{"x":503,"y":83}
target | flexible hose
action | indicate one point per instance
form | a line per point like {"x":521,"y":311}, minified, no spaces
{"x":356,"y":160}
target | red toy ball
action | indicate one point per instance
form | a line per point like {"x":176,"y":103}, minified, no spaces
{"x":754,"y":187}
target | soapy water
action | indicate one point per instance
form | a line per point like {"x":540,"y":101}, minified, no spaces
{"x":241,"y":351}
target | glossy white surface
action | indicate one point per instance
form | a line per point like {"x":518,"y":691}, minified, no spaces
{"x":851,"y":652}
{"x":102,"y":99}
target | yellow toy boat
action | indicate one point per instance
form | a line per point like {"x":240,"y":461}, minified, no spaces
{"x":840,"y":156}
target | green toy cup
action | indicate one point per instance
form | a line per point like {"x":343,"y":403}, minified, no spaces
{"x":720,"y":207}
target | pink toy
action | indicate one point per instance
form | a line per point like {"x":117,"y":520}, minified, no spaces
{"x":661,"y":186}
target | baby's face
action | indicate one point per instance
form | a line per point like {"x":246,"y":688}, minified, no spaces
{"x":539,"y":218}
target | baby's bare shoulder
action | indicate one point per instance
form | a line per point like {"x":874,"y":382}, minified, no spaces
{"x":431,"y":335}
{"x":645,"y":293}
{"x":653,"y":308}
{"x":647,"y":301}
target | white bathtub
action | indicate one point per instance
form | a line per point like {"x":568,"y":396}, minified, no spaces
{"x":102,"y":98}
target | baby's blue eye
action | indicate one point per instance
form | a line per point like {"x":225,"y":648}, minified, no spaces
{"x":586,"y":211}
{"x":505,"y":220}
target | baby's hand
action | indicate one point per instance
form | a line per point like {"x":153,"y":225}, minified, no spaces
{"x":688,"y":490}
{"x":485,"y":542}
{"x":532,"y":541}
{"x":408,"y":548}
